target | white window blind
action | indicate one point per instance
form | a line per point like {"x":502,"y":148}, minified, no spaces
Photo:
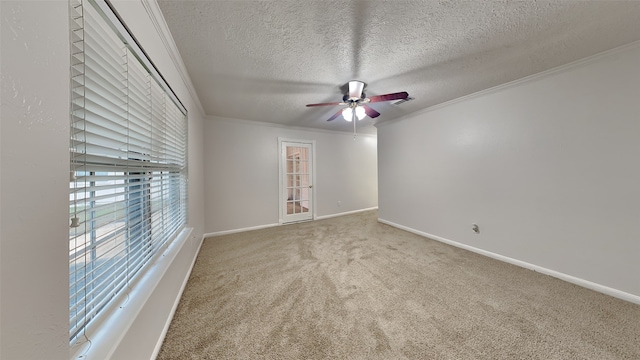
{"x":128,"y":163}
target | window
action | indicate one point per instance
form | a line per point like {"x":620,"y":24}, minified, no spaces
{"x":127,"y":198}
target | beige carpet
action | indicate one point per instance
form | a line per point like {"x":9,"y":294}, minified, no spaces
{"x":352,"y":288}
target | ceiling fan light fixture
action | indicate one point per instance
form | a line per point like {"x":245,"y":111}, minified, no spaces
{"x":347,"y":114}
{"x":360,"y":113}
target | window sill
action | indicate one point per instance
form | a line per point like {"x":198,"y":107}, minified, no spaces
{"x":106,"y":332}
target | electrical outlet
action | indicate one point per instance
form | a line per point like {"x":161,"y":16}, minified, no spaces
{"x":339,"y":203}
{"x":475,"y":228}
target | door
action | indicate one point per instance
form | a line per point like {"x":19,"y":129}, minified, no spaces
{"x":296,"y":180}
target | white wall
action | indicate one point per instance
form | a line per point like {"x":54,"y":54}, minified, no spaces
{"x":548,"y":167}
{"x":34,"y":192}
{"x":34,"y":303}
{"x":241,"y":172}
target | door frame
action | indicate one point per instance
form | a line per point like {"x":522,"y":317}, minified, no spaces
{"x":282,"y":186}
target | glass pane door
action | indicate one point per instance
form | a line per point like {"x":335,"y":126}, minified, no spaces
{"x":297,"y":186}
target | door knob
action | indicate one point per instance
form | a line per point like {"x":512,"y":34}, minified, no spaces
{"x":310,"y":186}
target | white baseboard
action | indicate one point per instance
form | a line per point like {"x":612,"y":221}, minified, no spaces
{"x":156,"y":349}
{"x":258,"y":227}
{"x":345,"y":213}
{"x":225,"y":232}
{"x":568,"y":278}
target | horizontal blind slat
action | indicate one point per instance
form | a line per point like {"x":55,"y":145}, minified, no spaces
{"x":127,"y":199}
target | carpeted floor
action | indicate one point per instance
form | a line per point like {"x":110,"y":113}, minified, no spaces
{"x":352,"y":288}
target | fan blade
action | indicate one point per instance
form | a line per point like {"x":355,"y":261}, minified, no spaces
{"x":370,"y":111}
{"x":335,"y":115}
{"x":327,"y":104}
{"x":389,"y":97}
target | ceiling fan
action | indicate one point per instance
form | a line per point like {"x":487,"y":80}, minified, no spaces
{"x":356,"y":102}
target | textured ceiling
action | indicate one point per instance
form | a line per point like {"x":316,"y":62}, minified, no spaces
{"x":265,"y":60}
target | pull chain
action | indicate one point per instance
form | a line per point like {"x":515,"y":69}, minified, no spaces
{"x":354,"y":119}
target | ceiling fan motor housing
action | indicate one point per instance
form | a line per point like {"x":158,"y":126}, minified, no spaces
{"x":355,"y":90}
{"x":347,"y":99}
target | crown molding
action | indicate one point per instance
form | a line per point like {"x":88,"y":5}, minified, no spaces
{"x":510,"y":84}
{"x":155,"y":14}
